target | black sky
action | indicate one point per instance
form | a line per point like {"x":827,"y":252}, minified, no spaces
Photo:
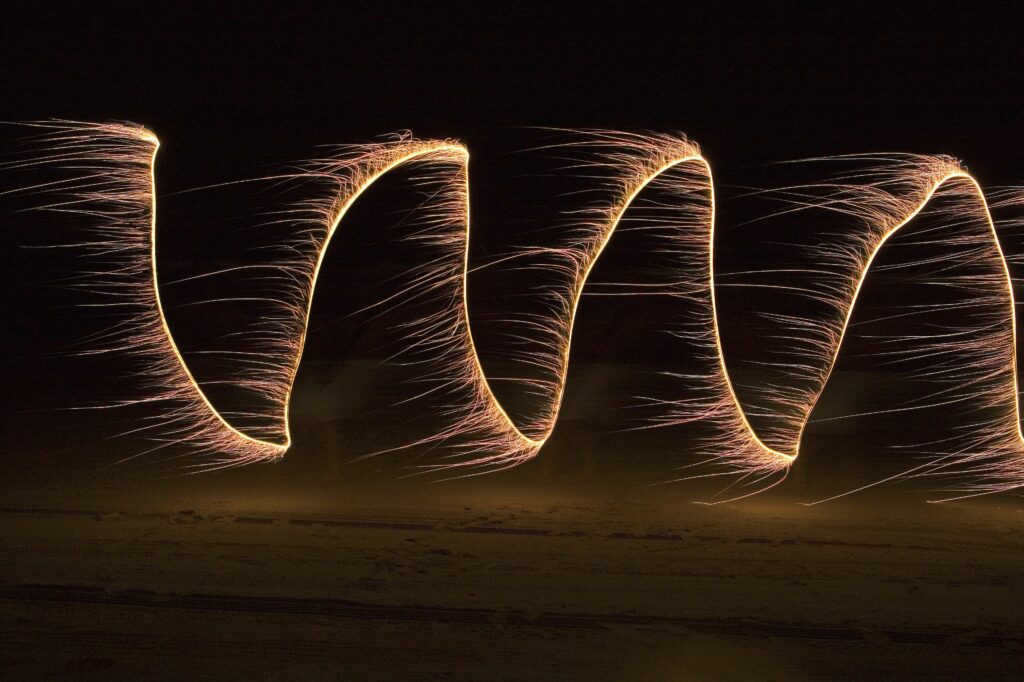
{"x":768,"y":82}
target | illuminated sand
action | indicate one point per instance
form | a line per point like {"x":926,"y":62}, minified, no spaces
{"x":264,"y":573}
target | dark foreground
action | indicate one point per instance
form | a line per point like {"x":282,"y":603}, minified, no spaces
{"x":241,"y":576}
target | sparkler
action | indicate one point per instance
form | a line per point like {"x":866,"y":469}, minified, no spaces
{"x":114,"y":184}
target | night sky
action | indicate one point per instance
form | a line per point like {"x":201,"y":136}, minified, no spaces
{"x":229,"y":87}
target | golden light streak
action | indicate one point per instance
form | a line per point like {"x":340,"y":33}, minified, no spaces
{"x":117,"y":185}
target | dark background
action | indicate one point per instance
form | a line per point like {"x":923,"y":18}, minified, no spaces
{"x":234,"y":91}
{"x":236,"y":84}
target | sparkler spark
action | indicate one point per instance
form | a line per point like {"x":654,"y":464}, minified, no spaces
{"x":114,"y":183}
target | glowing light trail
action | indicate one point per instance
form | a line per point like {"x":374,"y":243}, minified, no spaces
{"x":117,"y":187}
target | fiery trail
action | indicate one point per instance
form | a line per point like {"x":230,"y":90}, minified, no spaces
{"x":114,"y":183}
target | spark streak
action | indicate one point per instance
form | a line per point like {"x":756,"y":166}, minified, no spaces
{"x":115,"y":184}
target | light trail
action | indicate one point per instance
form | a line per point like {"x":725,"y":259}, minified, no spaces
{"x":115,"y":185}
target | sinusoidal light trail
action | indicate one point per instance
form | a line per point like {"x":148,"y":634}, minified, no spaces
{"x":113,"y":184}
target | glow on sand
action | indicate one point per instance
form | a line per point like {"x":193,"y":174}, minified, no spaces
{"x":118,"y":188}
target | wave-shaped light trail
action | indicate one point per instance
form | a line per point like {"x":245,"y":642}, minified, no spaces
{"x":118,"y":187}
